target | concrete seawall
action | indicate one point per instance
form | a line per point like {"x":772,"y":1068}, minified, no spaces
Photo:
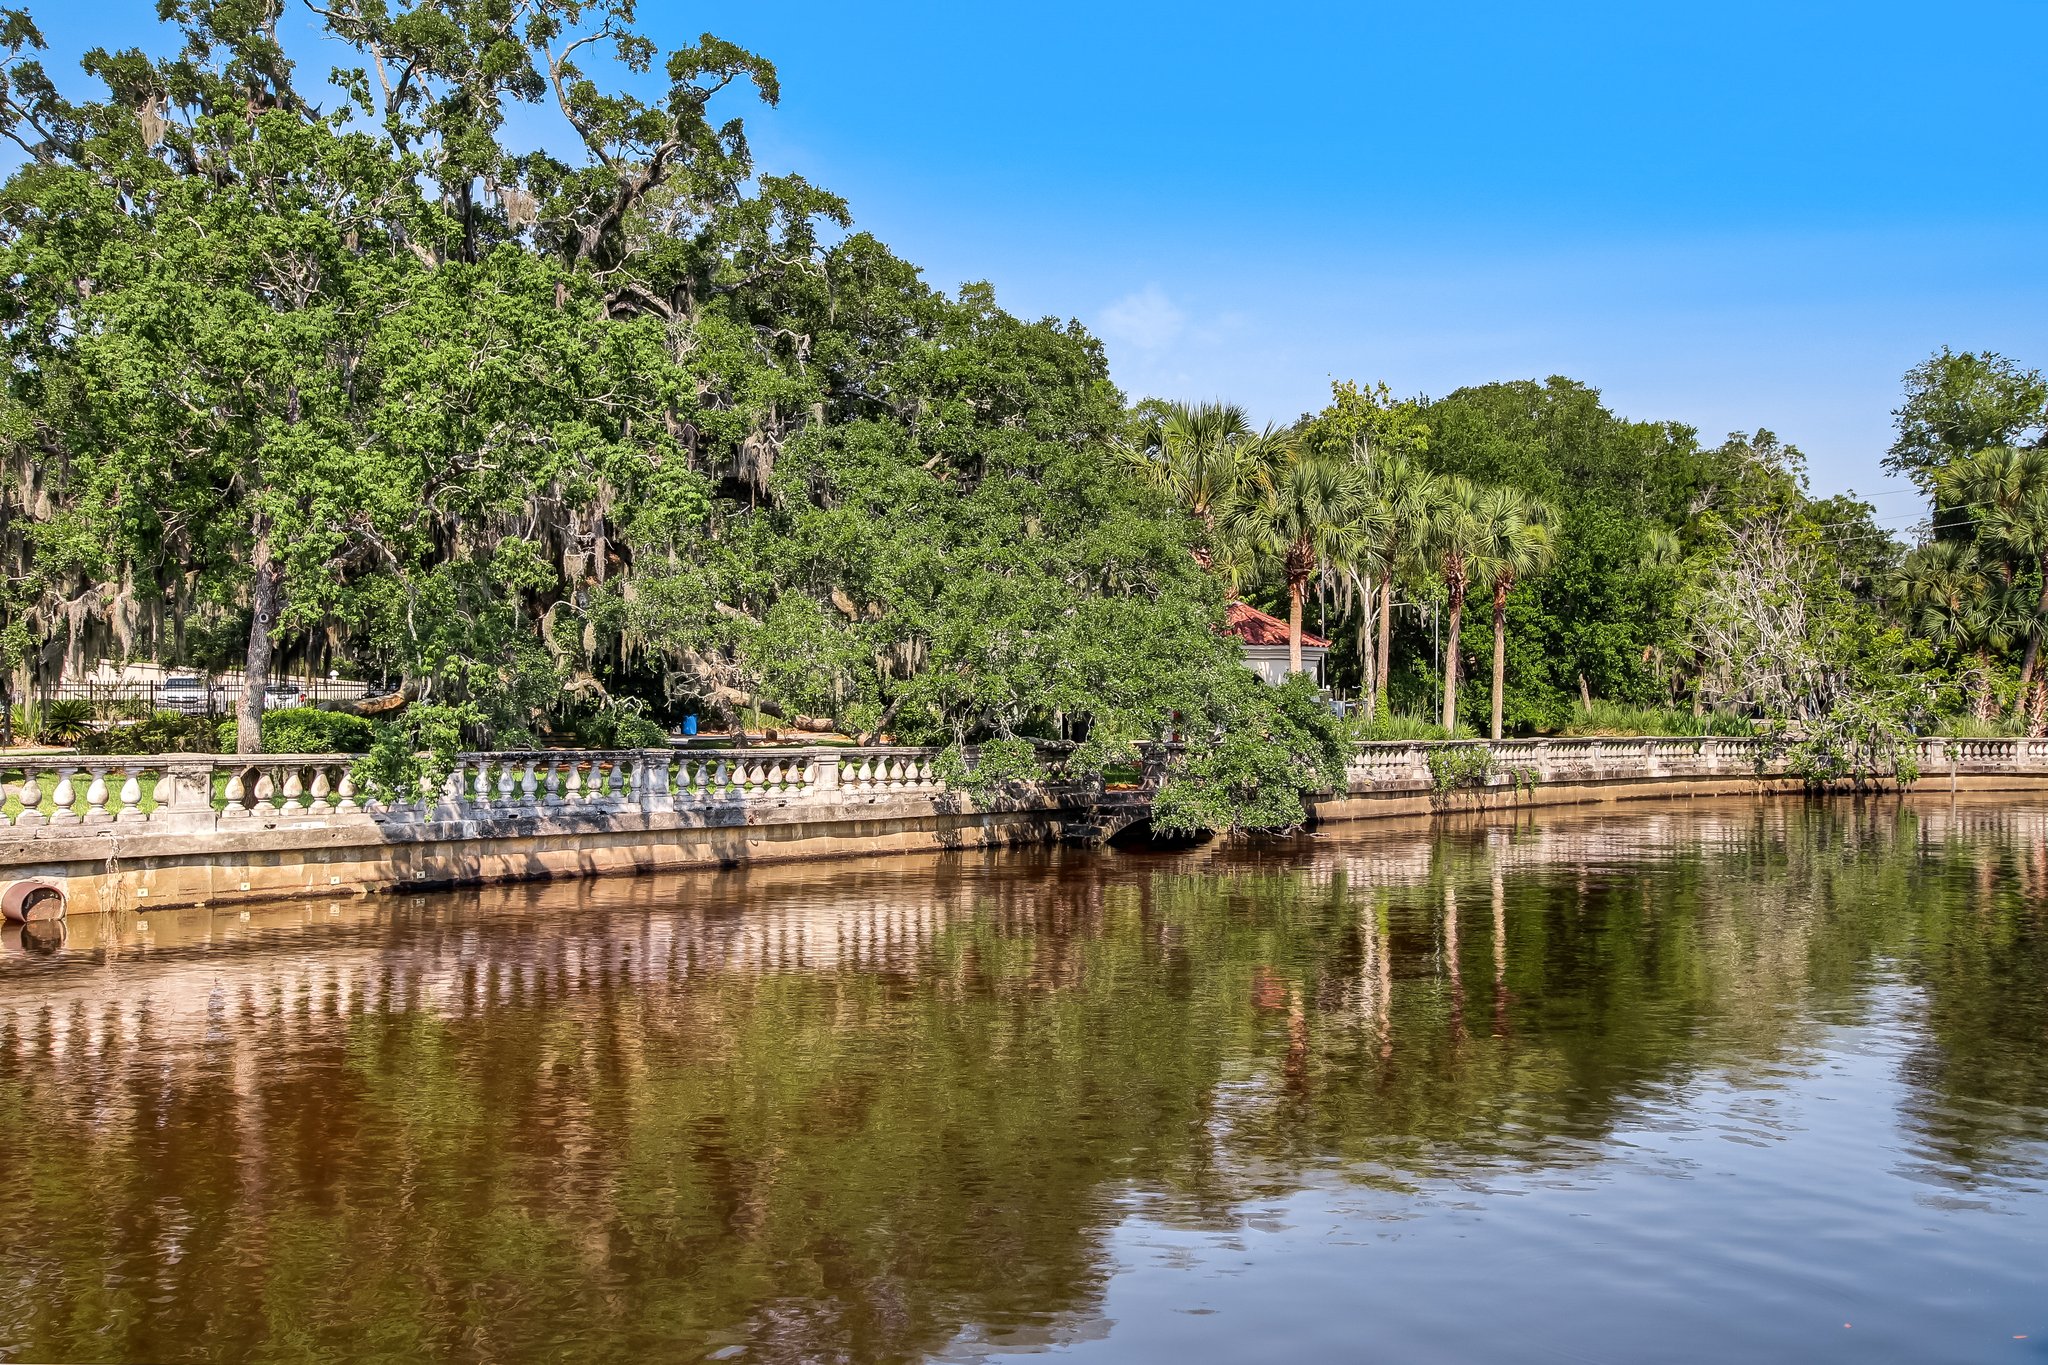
{"x":109,"y":868}
{"x":131,"y":834}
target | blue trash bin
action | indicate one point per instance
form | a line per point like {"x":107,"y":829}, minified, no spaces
{"x":689,"y":725}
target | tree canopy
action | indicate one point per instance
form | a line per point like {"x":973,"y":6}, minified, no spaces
{"x":312,"y":372}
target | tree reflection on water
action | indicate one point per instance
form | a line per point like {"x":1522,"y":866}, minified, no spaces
{"x":865,"y":1111}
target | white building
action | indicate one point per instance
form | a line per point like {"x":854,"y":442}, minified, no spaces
{"x":1265,"y":644}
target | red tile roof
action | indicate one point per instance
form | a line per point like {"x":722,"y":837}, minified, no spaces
{"x":1254,"y":627}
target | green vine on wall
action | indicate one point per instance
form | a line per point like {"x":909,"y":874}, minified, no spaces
{"x":1457,"y":770}
{"x":1468,"y":769}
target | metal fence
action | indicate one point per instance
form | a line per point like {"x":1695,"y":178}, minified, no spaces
{"x":133,"y":699}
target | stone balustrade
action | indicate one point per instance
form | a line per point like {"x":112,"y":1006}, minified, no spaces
{"x":54,"y":796}
{"x":1405,"y":766}
{"x":114,"y":834}
{"x":186,"y":791}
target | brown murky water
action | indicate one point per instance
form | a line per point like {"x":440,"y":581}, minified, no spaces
{"x":1693,"y":1082}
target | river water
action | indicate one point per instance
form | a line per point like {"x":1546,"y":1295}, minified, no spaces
{"x":1662,"y":1082}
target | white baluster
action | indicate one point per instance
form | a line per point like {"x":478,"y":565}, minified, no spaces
{"x":717,"y":787}
{"x":864,"y":780}
{"x":347,"y":790}
{"x":528,"y":786}
{"x":63,"y":799}
{"x":266,"y":791}
{"x":482,"y":790}
{"x":131,"y":794}
{"x":31,"y":800}
{"x":294,"y":788}
{"x":508,"y":782}
{"x":235,"y":794}
{"x":96,"y":797}
{"x":574,"y":794}
{"x":321,"y":790}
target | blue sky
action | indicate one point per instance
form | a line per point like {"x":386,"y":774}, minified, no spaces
{"x":1733,"y":215}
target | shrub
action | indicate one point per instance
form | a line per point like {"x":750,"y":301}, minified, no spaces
{"x":1456,"y":770}
{"x":306,"y":730}
{"x":1269,"y":750}
{"x":62,"y":722}
{"x":165,"y":732}
{"x":1614,"y":718}
{"x":638,"y":732}
{"x":1388,"y":725}
{"x":416,"y":751}
{"x":996,"y":763}
{"x":1862,"y":744}
{"x":1970,"y":727}
{"x":622,"y":725}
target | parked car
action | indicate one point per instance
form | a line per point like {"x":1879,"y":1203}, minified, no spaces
{"x":187,"y":696}
{"x":279,"y":695}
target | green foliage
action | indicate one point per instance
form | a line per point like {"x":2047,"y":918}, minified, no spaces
{"x":644,"y":427}
{"x":306,"y":730}
{"x":1963,"y":726}
{"x":164,"y":732}
{"x":1614,"y":718}
{"x":413,"y":753}
{"x":1389,"y":725}
{"x":1866,"y":739}
{"x":996,"y":763}
{"x":1961,"y":402}
{"x":65,"y":721}
{"x":1459,"y":769}
{"x":1252,"y":758}
{"x":624,"y":725}
{"x":1860,"y":746}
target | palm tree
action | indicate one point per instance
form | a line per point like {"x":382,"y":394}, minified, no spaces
{"x":1516,"y":541}
{"x":1194,"y":452}
{"x":1404,"y":501}
{"x":1947,"y":593}
{"x":1300,"y":511}
{"x":1457,"y":538}
{"x":2006,"y":491}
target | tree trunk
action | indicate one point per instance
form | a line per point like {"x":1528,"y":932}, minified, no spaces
{"x":6,"y":708}
{"x":1500,"y":649}
{"x":1379,"y":677}
{"x":1294,"y":596}
{"x":1367,"y":596}
{"x":2033,"y":655}
{"x":1986,"y":706}
{"x":266,"y":599}
{"x":1451,"y":662}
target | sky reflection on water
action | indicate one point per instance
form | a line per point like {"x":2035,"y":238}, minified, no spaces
{"x":1656,"y":1083}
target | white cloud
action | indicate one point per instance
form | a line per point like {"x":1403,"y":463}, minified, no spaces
{"x":1147,"y":320}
